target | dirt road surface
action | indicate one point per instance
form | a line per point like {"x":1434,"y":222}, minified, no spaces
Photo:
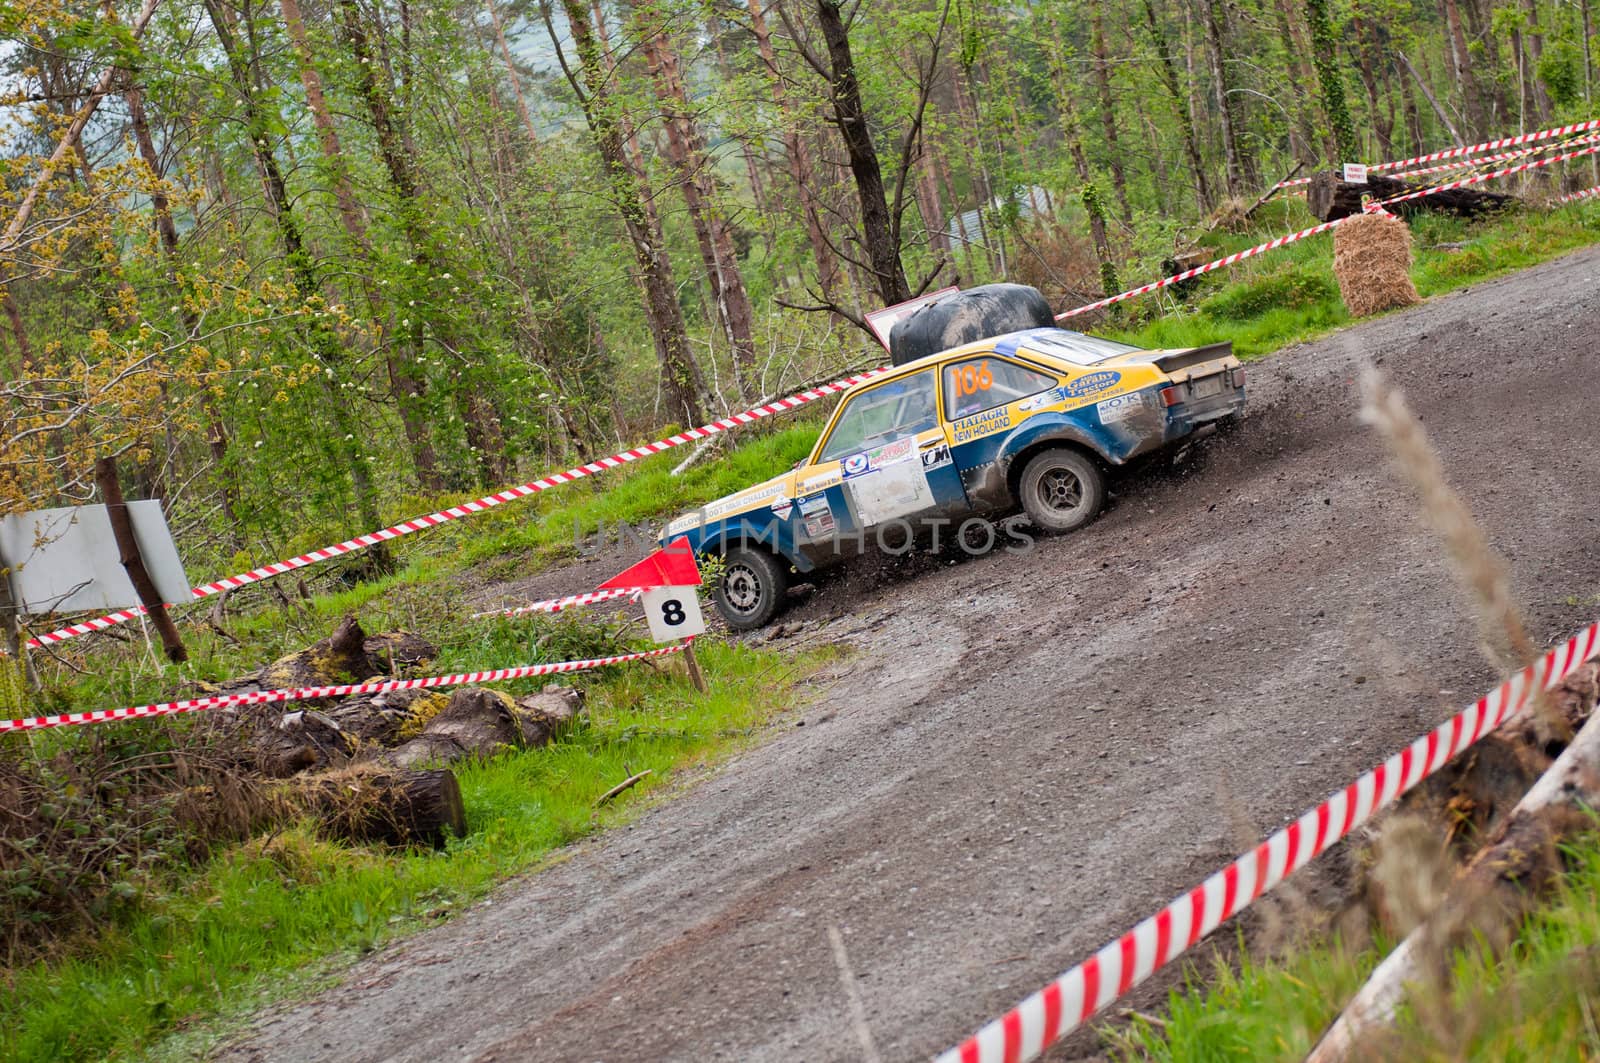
{"x":1030,"y":752}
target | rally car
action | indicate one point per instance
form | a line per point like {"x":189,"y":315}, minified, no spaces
{"x":1031,"y":419}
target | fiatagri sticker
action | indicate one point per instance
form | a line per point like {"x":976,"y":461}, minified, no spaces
{"x":982,"y":424}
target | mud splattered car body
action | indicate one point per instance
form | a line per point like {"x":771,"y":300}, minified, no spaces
{"x":1031,"y":418}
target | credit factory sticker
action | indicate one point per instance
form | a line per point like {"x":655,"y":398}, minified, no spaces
{"x":982,"y":424}
{"x":937,"y":456}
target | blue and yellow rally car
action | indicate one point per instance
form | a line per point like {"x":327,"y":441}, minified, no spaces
{"x":1031,"y":418}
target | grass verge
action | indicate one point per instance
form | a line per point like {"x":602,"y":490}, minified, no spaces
{"x":1539,"y":1001}
{"x":271,"y":905}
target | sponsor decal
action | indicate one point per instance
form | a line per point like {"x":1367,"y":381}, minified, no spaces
{"x":1090,"y":384}
{"x":1121,"y":408}
{"x":1044,"y":398}
{"x":821,"y":526}
{"x":890,"y":453}
{"x":747,"y":500}
{"x":683,"y":524}
{"x":855,"y":465}
{"x":782,"y":508}
{"x":982,"y":424}
{"x":811,"y":505}
{"x":819,"y":483}
{"x":936,"y":456}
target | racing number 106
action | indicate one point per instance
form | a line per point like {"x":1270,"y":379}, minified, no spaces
{"x":971,"y":379}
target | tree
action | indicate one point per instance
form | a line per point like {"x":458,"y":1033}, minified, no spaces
{"x":1324,"y":53}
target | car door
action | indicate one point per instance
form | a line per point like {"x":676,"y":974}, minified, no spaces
{"x":982,"y":397}
{"x":884,"y":458}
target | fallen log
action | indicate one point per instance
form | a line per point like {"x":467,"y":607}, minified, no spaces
{"x":1330,"y":198}
{"x":1488,"y":900}
{"x":402,"y":808}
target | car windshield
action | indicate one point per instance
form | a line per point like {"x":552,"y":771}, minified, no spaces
{"x":881,"y":415}
{"x":1078,"y":348}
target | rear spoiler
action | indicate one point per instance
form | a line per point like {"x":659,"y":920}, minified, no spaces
{"x":1171,"y":363}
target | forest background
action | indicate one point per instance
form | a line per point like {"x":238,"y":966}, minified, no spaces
{"x":309,"y":265}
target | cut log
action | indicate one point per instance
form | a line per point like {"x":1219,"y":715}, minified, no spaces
{"x":1489,"y":898}
{"x":1329,"y":198}
{"x":401,"y":808}
{"x":298,"y":741}
{"x":423,"y":751}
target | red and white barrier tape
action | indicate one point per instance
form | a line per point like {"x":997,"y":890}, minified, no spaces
{"x":467,"y":509}
{"x":1474,"y":149}
{"x":1573,"y":197}
{"x":1272,"y":245}
{"x":555,"y":605}
{"x":1066,"y":1003}
{"x":165,"y":708}
{"x":1227,"y":260}
{"x":1491,"y":175}
{"x":1505,"y":157}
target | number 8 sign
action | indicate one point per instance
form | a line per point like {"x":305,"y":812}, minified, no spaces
{"x":673,"y":613}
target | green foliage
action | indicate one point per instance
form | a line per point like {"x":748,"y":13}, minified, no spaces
{"x":1292,"y":289}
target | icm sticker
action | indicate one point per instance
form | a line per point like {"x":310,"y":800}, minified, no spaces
{"x":1091,"y":384}
{"x":936,"y":457}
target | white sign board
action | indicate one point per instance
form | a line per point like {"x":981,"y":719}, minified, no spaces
{"x":67,"y":561}
{"x":673,"y":613}
{"x":1355,"y":173}
{"x":883,"y":321}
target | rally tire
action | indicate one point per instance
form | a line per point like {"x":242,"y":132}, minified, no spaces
{"x":1061,"y":490}
{"x":751,"y":589}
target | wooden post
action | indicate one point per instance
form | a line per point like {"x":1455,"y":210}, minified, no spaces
{"x":105,"y":476}
{"x":11,"y":631}
{"x":695,"y":676}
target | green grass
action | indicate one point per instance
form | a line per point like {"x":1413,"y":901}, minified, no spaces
{"x":270,"y":906}
{"x":1539,"y":1002}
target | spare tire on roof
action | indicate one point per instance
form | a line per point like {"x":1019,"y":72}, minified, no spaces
{"x":963,"y":317}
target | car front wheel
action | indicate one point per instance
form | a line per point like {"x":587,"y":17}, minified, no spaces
{"x":751,"y":588}
{"x":1061,"y":490}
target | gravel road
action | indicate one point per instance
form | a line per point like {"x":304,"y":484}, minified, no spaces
{"x":1032,"y":751}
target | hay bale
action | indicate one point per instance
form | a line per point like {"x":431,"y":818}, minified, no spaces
{"x":1372,"y":261}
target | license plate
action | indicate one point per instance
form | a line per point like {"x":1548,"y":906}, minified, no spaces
{"x":1205,"y":387}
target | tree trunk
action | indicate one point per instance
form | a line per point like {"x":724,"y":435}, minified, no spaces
{"x":302,"y":275}
{"x":879,"y":230}
{"x":1167,"y":70}
{"x":1461,"y":67}
{"x":1108,"y":110}
{"x":1233,"y":158}
{"x":481,"y":425}
{"x":167,"y":230}
{"x":680,"y":374}
{"x":1362,"y":42}
{"x":1325,"y":54}
{"x":511,"y":72}
{"x":1090,"y":194}
{"x":1300,"y":77}
{"x":686,"y":151}
{"x":1330,"y":198}
{"x":409,"y":390}
{"x":1438,"y":111}
{"x":105,"y":477}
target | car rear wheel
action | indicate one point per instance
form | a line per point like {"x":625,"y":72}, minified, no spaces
{"x":1061,"y":490}
{"x":751,"y":588}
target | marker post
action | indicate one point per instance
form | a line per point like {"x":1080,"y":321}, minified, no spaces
{"x":671,"y":600}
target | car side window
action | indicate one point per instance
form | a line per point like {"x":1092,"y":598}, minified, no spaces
{"x":979,"y":384}
{"x":882,"y":415}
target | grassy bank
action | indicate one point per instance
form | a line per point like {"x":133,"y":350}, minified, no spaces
{"x":1540,"y":1001}
{"x":216,"y":936}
